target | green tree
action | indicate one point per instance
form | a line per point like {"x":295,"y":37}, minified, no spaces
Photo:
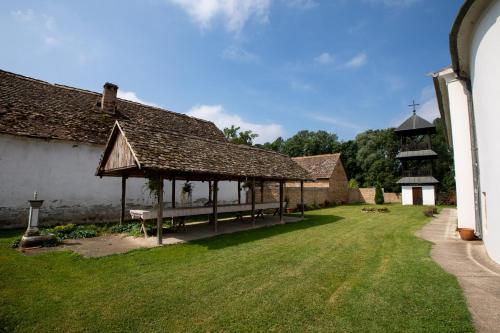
{"x":234,"y":135}
{"x":379,"y":195}
{"x":353,"y":183}
{"x":276,"y":145}
{"x":444,"y":170}
{"x":349,"y":150}
{"x":376,"y":159}
{"x":308,"y":143}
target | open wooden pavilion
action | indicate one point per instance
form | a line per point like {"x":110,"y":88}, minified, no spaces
{"x":136,"y":150}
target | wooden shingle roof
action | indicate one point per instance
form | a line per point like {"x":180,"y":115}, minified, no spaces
{"x":168,"y":152}
{"x":319,"y":166}
{"x":415,"y":124}
{"x":30,"y":107}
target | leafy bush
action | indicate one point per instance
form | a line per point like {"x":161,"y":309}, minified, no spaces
{"x":72,"y":231}
{"x":379,"y":195}
{"x":131,"y":229}
{"x":429,"y":212}
{"x":353,"y":183}
{"x":15,"y":243}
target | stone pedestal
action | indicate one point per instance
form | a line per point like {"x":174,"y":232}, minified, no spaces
{"x":32,"y":235}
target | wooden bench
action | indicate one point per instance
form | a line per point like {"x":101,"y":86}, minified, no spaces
{"x":181,"y":212}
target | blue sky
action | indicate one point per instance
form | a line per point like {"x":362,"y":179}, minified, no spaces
{"x":272,"y":66}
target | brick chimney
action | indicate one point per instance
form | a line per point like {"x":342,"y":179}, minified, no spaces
{"x":108,"y":102}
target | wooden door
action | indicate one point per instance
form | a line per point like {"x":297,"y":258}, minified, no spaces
{"x":417,"y":196}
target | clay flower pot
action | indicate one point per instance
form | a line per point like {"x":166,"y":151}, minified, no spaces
{"x":466,"y":234}
{"x":289,"y":210}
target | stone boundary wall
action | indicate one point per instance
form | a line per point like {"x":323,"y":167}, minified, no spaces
{"x":367,"y":195}
{"x":312,"y":195}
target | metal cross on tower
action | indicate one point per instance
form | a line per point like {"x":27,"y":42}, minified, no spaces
{"x":414,"y":106}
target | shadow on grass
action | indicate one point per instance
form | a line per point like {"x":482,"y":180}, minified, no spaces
{"x":11,"y":233}
{"x":242,"y":237}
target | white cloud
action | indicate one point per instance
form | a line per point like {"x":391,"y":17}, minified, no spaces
{"x":301,"y":4}
{"x":357,"y":27}
{"x":428,"y":108}
{"x":335,"y":121}
{"x":23,"y":15}
{"x":357,"y":61}
{"x":325,"y":58}
{"x":50,"y":40}
{"x":222,"y":118}
{"x":132,"y":96}
{"x":300,"y":86}
{"x":234,"y":13}
{"x":239,"y":54}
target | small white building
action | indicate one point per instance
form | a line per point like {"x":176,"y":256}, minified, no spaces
{"x":468,"y":96}
{"x":51,"y":139}
{"x":416,"y":157}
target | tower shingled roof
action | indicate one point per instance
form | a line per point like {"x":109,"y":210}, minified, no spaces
{"x":415,"y":123}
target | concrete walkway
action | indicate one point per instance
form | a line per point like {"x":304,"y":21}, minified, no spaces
{"x":477,"y":274}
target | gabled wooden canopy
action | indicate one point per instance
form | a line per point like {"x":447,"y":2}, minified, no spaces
{"x":138,"y":151}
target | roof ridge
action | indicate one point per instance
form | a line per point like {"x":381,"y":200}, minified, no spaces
{"x":321,"y":155}
{"x":29,"y":78}
{"x":205,"y":139}
{"x":64,"y":86}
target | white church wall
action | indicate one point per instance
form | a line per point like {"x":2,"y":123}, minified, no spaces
{"x":459,"y":114}
{"x":63,"y":173}
{"x":485,"y":72}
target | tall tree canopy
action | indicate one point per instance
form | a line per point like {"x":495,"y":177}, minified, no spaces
{"x":234,"y":135}
{"x":376,"y":159}
{"x":306,"y":143}
{"x":370,"y":158}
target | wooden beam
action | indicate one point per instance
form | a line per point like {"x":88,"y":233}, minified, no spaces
{"x":215,"y":190}
{"x":302,"y":199}
{"x":262,"y":191}
{"x":281,"y":201}
{"x":159,"y":218}
{"x":173,"y":192}
{"x":253,"y":202}
{"x":239,"y":192}
{"x":209,"y":191}
{"x":124,"y":184}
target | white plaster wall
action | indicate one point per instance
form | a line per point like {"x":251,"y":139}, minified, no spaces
{"x":62,"y":172}
{"x":428,"y":195}
{"x":485,"y":75}
{"x":459,"y":114}
{"x":407,"y":195}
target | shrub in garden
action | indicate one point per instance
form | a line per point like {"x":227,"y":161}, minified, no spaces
{"x":429,"y":212}
{"x":71,"y":231}
{"x":379,"y":195}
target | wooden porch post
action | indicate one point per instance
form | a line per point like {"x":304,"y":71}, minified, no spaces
{"x":173,"y":192}
{"x":261,"y":191}
{"x":281,"y":201}
{"x":215,"y":190}
{"x":239,"y":192}
{"x":302,"y":199}
{"x":124,"y":184}
{"x":159,"y":219}
{"x":253,"y":202}
{"x":209,"y":191}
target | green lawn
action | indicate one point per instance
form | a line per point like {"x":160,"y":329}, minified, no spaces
{"x":340,"y":271}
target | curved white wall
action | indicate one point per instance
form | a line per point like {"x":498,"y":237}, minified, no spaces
{"x":485,"y":77}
